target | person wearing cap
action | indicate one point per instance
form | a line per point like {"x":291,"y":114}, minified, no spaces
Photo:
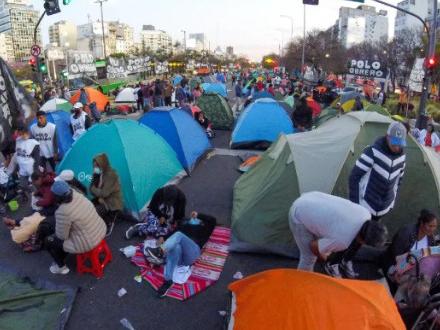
{"x":26,"y":158}
{"x":375,"y":178}
{"x":45,"y":133}
{"x":78,"y":227}
{"x":69,"y":177}
{"x":79,"y":121}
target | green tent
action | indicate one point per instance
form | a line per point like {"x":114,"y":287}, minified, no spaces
{"x":27,"y":303}
{"x":217,"y":110}
{"x":141,"y":157}
{"x":321,"y":160}
{"x":194,"y":81}
{"x":325,"y":115}
{"x":377,"y":108}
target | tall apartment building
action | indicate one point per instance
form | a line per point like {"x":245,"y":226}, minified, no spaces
{"x":361,"y":24}
{"x":17,"y":40}
{"x":63,"y":34}
{"x":197,"y":41}
{"x":422,"y":8}
{"x":120,"y":37}
{"x":155,"y":39}
{"x":90,"y":38}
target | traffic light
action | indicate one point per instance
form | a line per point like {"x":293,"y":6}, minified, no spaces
{"x":33,"y":63}
{"x":42,"y":67}
{"x":51,"y":7}
{"x":431,"y":63}
{"x":311,"y":2}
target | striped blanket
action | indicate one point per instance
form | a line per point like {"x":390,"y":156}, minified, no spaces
{"x":204,"y":272}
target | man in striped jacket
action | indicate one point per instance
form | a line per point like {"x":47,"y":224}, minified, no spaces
{"x":375,"y":178}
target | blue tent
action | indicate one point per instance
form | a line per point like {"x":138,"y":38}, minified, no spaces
{"x":141,"y":157}
{"x":216,"y":88}
{"x":262,"y":95}
{"x":260,"y":124}
{"x":181,"y":131}
{"x":64,"y":136}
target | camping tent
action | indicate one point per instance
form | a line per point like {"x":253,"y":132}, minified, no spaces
{"x":56,"y":104}
{"x":194,"y":81}
{"x":93,"y":95}
{"x":262,"y":95}
{"x":141,"y":157}
{"x":64,"y":135}
{"x":260,"y":124}
{"x":322,"y":160}
{"x":217,"y":110}
{"x":216,"y":88}
{"x":325,"y":115}
{"x":181,"y":131}
{"x":377,"y":108}
{"x":293,"y":299}
{"x":126,"y":96}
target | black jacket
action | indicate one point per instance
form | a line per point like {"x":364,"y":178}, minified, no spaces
{"x":198,"y":233}
{"x":166,"y":197}
{"x":402,"y":242}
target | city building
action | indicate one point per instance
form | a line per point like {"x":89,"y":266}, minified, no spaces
{"x":362,"y":24}
{"x":229,"y":51}
{"x":90,"y":38}
{"x":63,"y":34}
{"x":422,"y":8}
{"x":155,"y":39}
{"x":197,"y":41}
{"x":18,"y":24}
{"x":120,"y":37}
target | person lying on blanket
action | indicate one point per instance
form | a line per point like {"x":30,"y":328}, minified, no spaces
{"x":182,"y":248}
{"x":151,"y":226}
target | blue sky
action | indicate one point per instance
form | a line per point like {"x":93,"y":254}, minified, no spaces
{"x":252,"y":27}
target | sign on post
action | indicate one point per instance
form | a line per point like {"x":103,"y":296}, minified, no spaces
{"x":35,"y":50}
{"x":367,"y":68}
{"x":415,"y":82}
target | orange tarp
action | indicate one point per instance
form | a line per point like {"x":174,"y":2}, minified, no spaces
{"x":292,"y":299}
{"x":93,"y":95}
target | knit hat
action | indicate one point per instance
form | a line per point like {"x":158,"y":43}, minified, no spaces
{"x":60,"y":188}
{"x":65,"y":175}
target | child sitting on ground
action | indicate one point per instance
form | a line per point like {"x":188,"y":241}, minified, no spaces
{"x":151,"y":226}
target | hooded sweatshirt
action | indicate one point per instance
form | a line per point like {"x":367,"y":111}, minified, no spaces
{"x":106,"y":185}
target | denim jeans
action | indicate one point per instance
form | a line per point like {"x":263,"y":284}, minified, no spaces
{"x":303,"y":238}
{"x":180,"y":250}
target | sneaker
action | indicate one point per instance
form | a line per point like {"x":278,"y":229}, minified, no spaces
{"x":55,"y":269}
{"x":346,"y":268}
{"x":110,"y":227}
{"x":332,"y":270}
{"x":132,"y":231}
{"x":155,"y":255}
{"x":162,"y":291}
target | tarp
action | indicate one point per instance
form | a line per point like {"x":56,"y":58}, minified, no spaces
{"x":141,"y":157}
{"x":182,"y":133}
{"x":27,"y":303}
{"x":64,"y":135}
{"x":217,"y":110}
{"x":260,"y":124}
{"x":293,"y":299}
{"x":322,"y":160}
{"x":216,"y":88}
{"x":93,"y":95}
{"x":56,"y":104}
{"x":126,"y":96}
{"x":16,"y":106}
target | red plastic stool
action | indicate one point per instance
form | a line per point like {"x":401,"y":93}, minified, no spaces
{"x":98,"y":258}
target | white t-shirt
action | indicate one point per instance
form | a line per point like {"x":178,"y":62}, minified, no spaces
{"x":335,"y":221}
{"x":422,"y":244}
{"x":45,"y":136}
{"x":23,"y":152}
{"x":78,"y":125}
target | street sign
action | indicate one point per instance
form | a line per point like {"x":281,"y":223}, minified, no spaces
{"x":35,"y":50}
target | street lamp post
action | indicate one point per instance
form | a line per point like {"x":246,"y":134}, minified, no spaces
{"x":304,"y":40}
{"x":102,"y":25}
{"x":291,"y":25}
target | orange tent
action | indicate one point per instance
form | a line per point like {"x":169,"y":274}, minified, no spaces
{"x":292,"y":299}
{"x":93,"y":95}
{"x":316,"y":108}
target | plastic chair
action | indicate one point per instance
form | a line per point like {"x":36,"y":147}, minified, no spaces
{"x":95,"y":260}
